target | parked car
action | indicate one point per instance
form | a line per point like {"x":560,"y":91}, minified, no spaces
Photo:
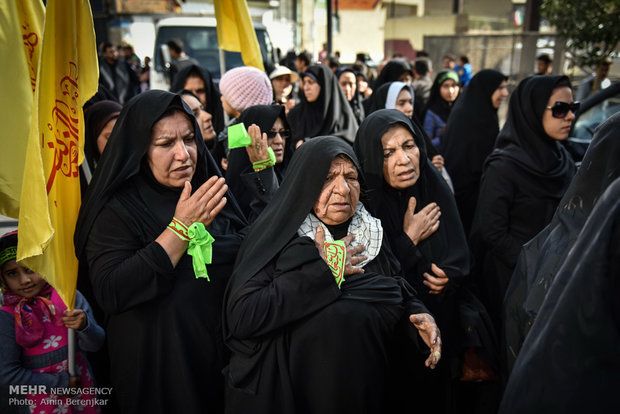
{"x":592,"y":112}
{"x":199,"y":36}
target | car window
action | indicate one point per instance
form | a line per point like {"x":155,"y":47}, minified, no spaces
{"x":596,"y":115}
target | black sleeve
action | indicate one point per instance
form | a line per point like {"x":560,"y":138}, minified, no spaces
{"x":495,"y":202}
{"x":262,"y":185}
{"x":412,"y":260}
{"x":296,"y":284}
{"x":123,"y":271}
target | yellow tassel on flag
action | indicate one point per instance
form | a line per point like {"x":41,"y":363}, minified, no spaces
{"x":21,"y":27}
{"x":235,"y":32}
{"x":50,"y":199}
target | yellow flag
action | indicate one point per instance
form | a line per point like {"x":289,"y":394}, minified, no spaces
{"x":235,"y":32}
{"x":21,"y":26}
{"x":50,"y":199}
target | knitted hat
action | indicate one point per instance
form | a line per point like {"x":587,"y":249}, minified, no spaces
{"x":246,"y":86}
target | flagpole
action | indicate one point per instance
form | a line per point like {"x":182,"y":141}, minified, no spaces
{"x":71,"y":352}
{"x":222,"y":72}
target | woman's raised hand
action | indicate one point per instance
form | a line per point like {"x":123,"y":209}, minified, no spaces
{"x":204,"y":205}
{"x":419,"y":226}
{"x":258,"y":150}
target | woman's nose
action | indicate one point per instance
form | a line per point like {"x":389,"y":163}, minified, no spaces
{"x":180,"y":151}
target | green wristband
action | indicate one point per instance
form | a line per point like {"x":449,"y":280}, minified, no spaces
{"x":269,"y":162}
{"x":200,"y":248}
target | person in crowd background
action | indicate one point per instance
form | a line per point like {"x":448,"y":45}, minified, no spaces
{"x":464,"y":69}
{"x":99,"y":121}
{"x":180,"y":59}
{"x":347,"y":78}
{"x":322,"y":109}
{"x":470,"y":137}
{"x":448,"y":62}
{"x":524,"y":179}
{"x":596,"y":82}
{"x":34,"y":338}
{"x":199,"y":81}
{"x":422,"y":85}
{"x":542,"y":257}
{"x":156,"y":192}
{"x":544,"y":64}
{"x":283,"y":81}
{"x":204,"y":119}
{"x":444,"y":92}
{"x":303,"y":60}
{"x":116,"y":76}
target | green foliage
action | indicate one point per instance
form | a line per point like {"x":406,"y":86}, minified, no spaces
{"x":591,"y":27}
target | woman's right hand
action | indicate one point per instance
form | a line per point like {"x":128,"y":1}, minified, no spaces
{"x":353,"y":257}
{"x":419,"y":226}
{"x":204,"y":205}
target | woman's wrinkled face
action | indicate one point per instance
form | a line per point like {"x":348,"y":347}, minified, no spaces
{"x":404,"y":102}
{"x":499,"y":95}
{"x":558,"y":128}
{"x":449,"y":90}
{"x":21,"y":280}
{"x":312,"y":89}
{"x":340,"y":193}
{"x":104,"y":135}
{"x":347,"y":84}
{"x":277,"y":143}
{"x":401,"y":158}
{"x":173,"y":153}
{"x":205,"y":120}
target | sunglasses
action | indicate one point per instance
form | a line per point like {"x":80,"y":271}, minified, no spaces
{"x":560,"y":109}
{"x":284,"y":133}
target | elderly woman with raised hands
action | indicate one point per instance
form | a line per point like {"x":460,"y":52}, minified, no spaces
{"x":146,"y":229}
{"x":314,"y":303}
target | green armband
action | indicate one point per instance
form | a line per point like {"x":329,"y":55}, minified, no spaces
{"x":269,"y":162}
{"x":200,"y":248}
{"x":335,"y":257}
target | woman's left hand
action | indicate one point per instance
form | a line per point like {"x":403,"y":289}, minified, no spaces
{"x":258,"y":150}
{"x":438,"y":162}
{"x":74,"y":319}
{"x":437,"y":283}
{"x":428,"y":330}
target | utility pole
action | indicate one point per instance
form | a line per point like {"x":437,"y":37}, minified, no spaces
{"x":330,"y":28}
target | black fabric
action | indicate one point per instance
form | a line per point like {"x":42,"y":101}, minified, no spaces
{"x":523,"y":181}
{"x":163,"y":325}
{"x":460,"y":316}
{"x":238,"y":161}
{"x":378,"y":100}
{"x":356,"y":102}
{"x":569,"y":362}
{"x":95,"y":119}
{"x":296,"y":338}
{"x":541,"y":258}
{"x":330,"y":114}
{"x":436,"y":103}
{"x":469,"y":138}
{"x":214,"y":104}
{"x":392,"y":71}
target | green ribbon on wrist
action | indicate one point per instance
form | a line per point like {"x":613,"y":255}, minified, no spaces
{"x":200,"y":248}
{"x":269,"y":162}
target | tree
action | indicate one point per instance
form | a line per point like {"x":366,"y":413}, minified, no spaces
{"x":590,"y":27}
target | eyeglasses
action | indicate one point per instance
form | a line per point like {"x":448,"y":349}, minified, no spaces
{"x":284,"y":133}
{"x":560,"y":109}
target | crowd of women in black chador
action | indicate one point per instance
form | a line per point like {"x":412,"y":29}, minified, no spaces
{"x":289,"y":336}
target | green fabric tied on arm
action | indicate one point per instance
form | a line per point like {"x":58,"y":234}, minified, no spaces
{"x":200,"y":248}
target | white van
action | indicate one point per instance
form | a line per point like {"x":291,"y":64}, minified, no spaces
{"x":199,"y":36}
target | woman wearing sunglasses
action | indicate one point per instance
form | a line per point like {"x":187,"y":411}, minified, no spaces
{"x":523,"y":181}
{"x":247,"y":176}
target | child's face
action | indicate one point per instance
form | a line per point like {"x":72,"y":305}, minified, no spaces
{"x":21,"y":280}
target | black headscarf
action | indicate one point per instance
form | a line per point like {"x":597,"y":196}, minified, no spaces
{"x":356,"y":101}
{"x":214,"y":104}
{"x":96,"y":118}
{"x":524,"y":141}
{"x":447,"y":247}
{"x":436,"y":103}
{"x":569,"y":362}
{"x":124,"y":160}
{"x":238,"y":161}
{"x":392,"y":72}
{"x":541,"y":258}
{"x":330,"y":114}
